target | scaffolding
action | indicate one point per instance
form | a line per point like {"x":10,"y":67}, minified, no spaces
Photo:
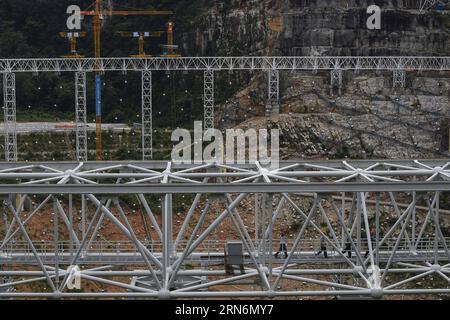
{"x":147,"y":116}
{"x":280,"y":63}
{"x":398,"y":78}
{"x":9,"y":96}
{"x":336,"y":80}
{"x":273,"y":99}
{"x":346,"y":203}
{"x":271,"y":65}
{"x":208,"y":99}
{"x":81,"y":116}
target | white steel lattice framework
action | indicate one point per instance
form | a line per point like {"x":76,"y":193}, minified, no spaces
{"x":380,"y":222}
{"x":9,"y":96}
{"x":273,"y":99}
{"x":398,"y":79}
{"x":81,"y":116}
{"x":227,"y":63}
{"x":208,"y":99}
{"x":273,"y":65}
{"x":336,"y":80}
{"x":147,"y":116}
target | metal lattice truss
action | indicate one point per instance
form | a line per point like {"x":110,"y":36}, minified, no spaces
{"x":147,"y":116}
{"x":273,"y":99}
{"x":81,"y":116}
{"x":336,"y":80}
{"x":226,"y":63}
{"x":273,"y":65}
{"x":428,"y":4}
{"x":380,"y":223}
{"x":208,"y":99}
{"x":9,"y":97}
{"x":398,"y":79}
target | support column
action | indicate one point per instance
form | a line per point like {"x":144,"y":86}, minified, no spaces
{"x":208,"y":99}
{"x":9,"y":97}
{"x":269,"y":205}
{"x":147,"y":116}
{"x":168,"y":249}
{"x":273,"y":103}
{"x":81,"y":116}
{"x":398,"y":78}
{"x":336,"y":80}
{"x":56,"y":240}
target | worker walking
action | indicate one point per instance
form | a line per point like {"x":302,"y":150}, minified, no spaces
{"x":323,"y":247}
{"x":348,"y":249}
{"x":283,"y":247}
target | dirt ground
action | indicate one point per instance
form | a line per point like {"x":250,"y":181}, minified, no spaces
{"x":41,"y":225}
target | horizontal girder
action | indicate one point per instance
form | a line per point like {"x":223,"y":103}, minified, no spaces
{"x":226,"y":63}
{"x":369,"y":228}
{"x":154,"y":177}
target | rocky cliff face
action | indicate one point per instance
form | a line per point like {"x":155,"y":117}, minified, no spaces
{"x":234,"y":28}
{"x":329,"y":27}
{"x":338,"y":27}
{"x":369,"y":119}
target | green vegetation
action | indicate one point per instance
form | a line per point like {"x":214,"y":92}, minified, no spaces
{"x":43,"y":116}
{"x":117,"y":146}
{"x":31,"y":30}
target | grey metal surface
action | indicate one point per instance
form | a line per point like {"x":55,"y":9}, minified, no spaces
{"x":381,"y":223}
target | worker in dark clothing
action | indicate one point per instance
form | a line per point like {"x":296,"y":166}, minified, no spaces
{"x":348,"y":249}
{"x":283,"y":247}
{"x":323,"y":247}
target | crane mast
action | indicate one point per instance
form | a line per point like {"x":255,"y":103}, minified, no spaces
{"x":98,"y":15}
{"x":98,"y":84}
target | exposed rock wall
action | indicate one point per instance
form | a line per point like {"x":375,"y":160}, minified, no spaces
{"x":332,"y":27}
{"x":370,"y":119}
{"x":340,"y":29}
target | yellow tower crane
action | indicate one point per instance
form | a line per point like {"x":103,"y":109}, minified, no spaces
{"x":72,"y":37}
{"x":141,"y":36}
{"x":98,"y":14}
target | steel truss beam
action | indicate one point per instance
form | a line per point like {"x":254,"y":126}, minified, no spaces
{"x":433,"y":173}
{"x":419,"y":166}
{"x":227,"y":63}
{"x":9,"y":97}
{"x":81,"y":116}
{"x":373,"y":249}
{"x":208,"y":99}
{"x":273,"y":96}
{"x":147,"y":116}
